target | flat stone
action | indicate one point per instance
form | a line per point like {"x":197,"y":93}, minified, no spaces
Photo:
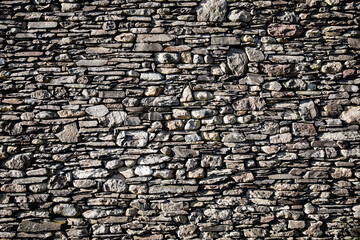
{"x":280,"y":70}
{"x":254,"y":55}
{"x":308,"y":110}
{"x":42,"y":24}
{"x":161,"y":189}
{"x":152,"y":159}
{"x":304,"y":129}
{"x":148,"y":47}
{"x":31,"y":226}
{"x":91,"y":173}
{"x":97,"y":111}
{"x":115,"y":184}
{"x":70,"y":113}
{"x":13,"y":188}
{"x":237,"y":61}
{"x":132,"y":139}
{"x":70,"y":7}
{"x":187,"y":231}
{"x":284,"y":30}
{"x":66,"y":210}
{"x":151,"y":76}
{"x":167,"y":58}
{"x":180,"y":48}
{"x":212,"y":11}
{"x":19,"y":161}
{"x":249,"y":104}
{"x":112,"y":94}
{"x":41,"y":94}
{"x":341,"y":136}
{"x":202,"y":113}
{"x":91,"y":63}
{"x":281,"y":138}
{"x":239,"y":16}
{"x":296,"y":224}
{"x":341,"y":173}
{"x":160,"y":101}
{"x":69,"y":134}
{"x":219,"y":40}
{"x":125,"y":37}
{"x":252,"y":79}
{"x":331,"y":67}
{"x":154,"y":38}
{"x":233,"y":137}
{"x":114,"y":119}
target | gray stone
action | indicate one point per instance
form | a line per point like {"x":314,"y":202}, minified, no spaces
{"x":239,"y":16}
{"x":354,"y":43}
{"x":151,"y":76}
{"x":254,"y":55}
{"x":147,"y":47}
{"x":70,"y":7}
{"x":308,"y":110}
{"x":42,"y":24}
{"x":219,"y":40}
{"x":125,"y":37}
{"x":69,"y":134}
{"x":115,"y":184}
{"x":281,"y":138}
{"x":167,"y":57}
{"x":91,"y":173}
{"x":32,"y":226}
{"x":233,"y":137}
{"x":331,"y":67}
{"x":249,"y":104}
{"x":192,"y":124}
{"x":203,"y":95}
{"x":114,"y":119}
{"x":202,"y":113}
{"x":237,"y":61}
{"x":19,"y":161}
{"x":132,"y":139}
{"x":66,"y":210}
{"x":91,"y":63}
{"x":163,"y":101}
{"x":154,"y":38}
{"x":143,"y":171}
{"x":212,"y":11}
{"x":97,"y":111}
{"x":187,"y":95}
{"x":304,"y":129}
{"x":41,"y":94}
{"x":284,"y":30}
{"x":152,"y":159}
{"x":351,"y":115}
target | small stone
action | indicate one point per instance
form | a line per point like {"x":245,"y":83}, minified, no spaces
{"x":125,"y":37}
{"x":167,"y":58}
{"x":249,"y":104}
{"x":115,"y":184}
{"x":203,"y":95}
{"x":151,"y":76}
{"x":143,"y":171}
{"x":114,"y":119}
{"x":332,"y":2}
{"x":69,"y":134}
{"x":254,"y":55}
{"x":308,"y":110}
{"x":212,"y":11}
{"x":237,"y":61}
{"x":175,"y":125}
{"x":349,"y":72}
{"x":132,"y":139}
{"x":187,"y":95}
{"x":284,"y":30}
{"x":192,"y":124}
{"x":239,"y":16}
{"x":304,"y":129}
{"x":331,"y":67}
{"x":66,"y":210}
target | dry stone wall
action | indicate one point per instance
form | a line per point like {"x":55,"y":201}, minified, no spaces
{"x":179,"y":119}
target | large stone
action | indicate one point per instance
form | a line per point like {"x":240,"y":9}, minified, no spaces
{"x":143,"y":171}
{"x":153,"y":159}
{"x":308,"y":110}
{"x":281,"y":138}
{"x":202,"y":113}
{"x":341,"y":173}
{"x":179,"y":189}
{"x":187,"y":95}
{"x":237,"y":61}
{"x":254,"y":55}
{"x":97,"y":111}
{"x":31,"y":226}
{"x":154,"y":38}
{"x":167,"y":57}
{"x":212,"y":11}
{"x":284,"y":30}
{"x":115,"y":184}
{"x":69,"y":134}
{"x":331,"y":67}
{"x":351,"y":115}
{"x":66,"y":210}
{"x":148,"y":47}
{"x":341,"y":136}
{"x":42,"y":24}
{"x":114,"y":119}
{"x":192,"y":124}
{"x":249,"y":104}
{"x":239,"y":16}
{"x":280,"y":70}
{"x":132,"y":139}
{"x":19,"y":161}
{"x":354,"y":43}
{"x":233,"y":137}
{"x":151,"y":76}
{"x":41,"y":94}
{"x":91,"y":173}
{"x":304,"y":129}
{"x":187,"y":231}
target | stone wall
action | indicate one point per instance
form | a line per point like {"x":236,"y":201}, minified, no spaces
{"x":179,"y":119}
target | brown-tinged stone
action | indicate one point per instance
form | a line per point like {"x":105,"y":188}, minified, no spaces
{"x":284,"y":30}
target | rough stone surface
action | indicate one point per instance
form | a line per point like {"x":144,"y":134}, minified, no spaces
{"x":237,"y":61}
{"x":212,"y":11}
{"x":284,"y":30}
{"x":351,"y":115}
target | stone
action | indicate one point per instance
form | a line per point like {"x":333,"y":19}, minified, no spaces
{"x":167,"y":58}
{"x":314,"y":230}
{"x":13,"y":188}
{"x":281,"y":138}
{"x":32,"y":226}
{"x":203,"y":95}
{"x":284,"y":30}
{"x":354,"y":43}
{"x":332,"y":2}
{"x":202,"y":113}
{"x":187,"y":95}
{"x":296,"y":224}
{"x":331,"y":67}
{"x":237,"y":61}
{"x":154,"y":37}
{"x":239,"y":16}
{"x":42,"y":25}
{"x":211,"y":136}
{"x":217,"y":40}
{"x":19,"y":161}
{"x":114,"y":119}
{"x":249,"y":104}
{"x":66,"y":210}
{"x":280,"y":70}
{"x":148,"y":47}
{"x":341,"y":173}
{"x":255,"y":233}
{"x":70,"y":113}
{"x":153,"y":91}
{"x":181,"y":114}
{"x":211,"y":161}
{"x":304,"y":129}
{"x":91,"y":173}
{"x":161,"y":189}
{"x":187,"y":231}
{"x":132,"y":139}
{"x":151,"y":76}
{"x":252,"y":79}
{"x":351,"y":115}
{"x":91,"y":63}
{"x":69,"y":134}
{"x":233,"y":137}
{"x":341,"y":136}
{"x":309,"y":208}
{"x":125,"y":38}
{"x":97,"y":111}
{"x":175,"y":125}
{"x":272,"y":86}
{"x":115,"y":184}
{"x":162,"y":101}
{"x":143,"y":171}
{"x":41,"y":94}
{"x":152,"y":159}
{"x":212,"y":11}
{"x":192,"y":124}
{"x":254,"y":55}
{"x":308,"y":110}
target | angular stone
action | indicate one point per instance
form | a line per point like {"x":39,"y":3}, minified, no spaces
{"x":42,"y":24}
{"x":351,"y":115}
{"x":249,"y":104}
{"x":91,"y":63}
{"x":151,"y":76}
{"x":304,"y":129}
{"x":187,"y":95}
{"x":212,"y":11}
{"x":284,"y":30}
{"x":255,"y":233}
{"x":314,"y":230}
{"x":91,"y":173}
{"x":167,"y":58}
{"x":115,"y":184}
{"x":254,"y":55}
{"x":187,"y":231}
{"x":31,"y":226}
{"x":114,"y":119}
{"x":160,"y":101}
{"x":132,"y":139}
{"x":181,"y":114}
{"x":252,"y":79}
{"x":161,"y":189}
{"x":69,"y":134}
{"x":143,"y":171}
{"x":19,"y":161}
{"x":354,"y":43}
{"x":41,"y":94}
{"x":211,"y":136}
{"x":341,"y":173}
{"x":148,"y":47}
{"x":281,"y":138}
{"x":202,"y":113}
{"x":153,"y":91}
{"x":153,"y":159}
{"x":192,"y":124}
{"x":13,"y":188}
{"x":237,"y":61}
{"x":211,"y":161}
{"x":112,"y":94}
{"x":125,"y":37}
{"x":280,"y":70}
{"x":70,"y":113}
{"x":308,"y":110}
{"x":66,"y":210}
{"x":331,"y":67}
{"x":97,"y":111}
{"x":239,"y":16}
{"x":295,"y":224}
{"x":233,"y":137}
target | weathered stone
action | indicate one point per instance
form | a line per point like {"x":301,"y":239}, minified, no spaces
{"x":175,"y":125}
{"x":19,"y":161}
{"x":314,"y":230}
{"x":202,"y":113}
{"x":114,"y":119}
{"x":70,"y":7}
{"x":211,"y":161}
{"x":218,"y":40}
{"x":115,"y":184}
{"x":239,"y":16}
{"x":211,"y":136}
{"x":125,"y":37}
{"x":181,"y":114}
{"x":295,"y":224}
{"x":151,"y":76}
{"x":132,"y":139}
{"x":167,"y":57}
{"x":143,"y":171}
{"x":192,"y":124}
{"x":91,"y":173}
{"x":70,"y":113}
{"x":308,"y":110}
{"x":153,"y":159}
{"x":339,"y":173}
{"x":233,"y":137}
{"x":41,"y":94}
{"x":148,"y":47}
{"x":254,"y":55}
{"x":66,"y":210}
{"x":154,"y":37}
{"x":42,"y":24}
{"x":97,"y":111}
{"x":153,"y":91}
{"x":160,"y":101}
{"x":284,"y":30}
{"x":203,"y":95}
{"x":237,"y":61}
{"x":187,"y":95}
{"x":331,"y":67}
{"x":187,"y":231}
{"x":212,"y":11}
{"x":69,"y":134}
{"x":351,"y":115}
{"x":281,"y":138}
{"x":32,"y":226}
{"x":91,"y":63}
{"x":280,"y":70}
{"x":156,"y":189}
{"x":249,"y":104}
{"x":304,"y":129}
{"x":354,"y":43}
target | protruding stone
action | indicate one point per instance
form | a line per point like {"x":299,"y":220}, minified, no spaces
{"x":233,"y":137}
{"x":97,"y":111}
{"x":203,"y":95}
{"x":192,"y":124}
{"x":143,"y":171}
{"x":237,"y":61}
{"x":69,"y":134}
{"x":341,"y":173}
{"x":284,"y":30}
{"x":308,"y":110}
{"x":212,"y":11}
{"x":254,"y":55}
{"x":114,"y":119}
{"x":175,"y":125}
{"x":351,"y":115}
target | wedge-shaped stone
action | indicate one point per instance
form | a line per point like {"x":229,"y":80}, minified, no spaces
{"x":69,"y":134}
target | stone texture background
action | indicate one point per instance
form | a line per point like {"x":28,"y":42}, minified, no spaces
{"x":179,"y":119}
